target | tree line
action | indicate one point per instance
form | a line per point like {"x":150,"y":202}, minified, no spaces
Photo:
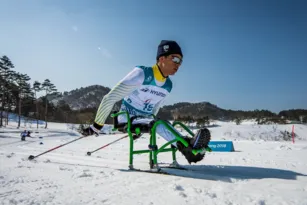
{"x":17,"y":95}
{"x":203,"y":112}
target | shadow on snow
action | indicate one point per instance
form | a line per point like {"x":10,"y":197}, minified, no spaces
{"x":232,"y":173}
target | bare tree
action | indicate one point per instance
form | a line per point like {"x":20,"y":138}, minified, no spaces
{"x":175,"y":114}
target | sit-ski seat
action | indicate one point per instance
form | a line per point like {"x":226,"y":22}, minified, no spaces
{"x":136,"y":130}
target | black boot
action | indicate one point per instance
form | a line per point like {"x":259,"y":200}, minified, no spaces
{"x":199,"y":141}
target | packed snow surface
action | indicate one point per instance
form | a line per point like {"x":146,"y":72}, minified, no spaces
{"x":263,"y":169}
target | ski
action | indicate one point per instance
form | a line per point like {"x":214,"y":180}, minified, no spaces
{"x":160,"y":171}
{"x":172,"y":167}
{"x":145,"y":171}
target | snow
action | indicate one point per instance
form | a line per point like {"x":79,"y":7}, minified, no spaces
{"x":262,"y":170}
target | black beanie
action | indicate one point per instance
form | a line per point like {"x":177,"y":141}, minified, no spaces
{"x":168,"y":47}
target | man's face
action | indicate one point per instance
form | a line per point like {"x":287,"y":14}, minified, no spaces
{"x":170,"y":64}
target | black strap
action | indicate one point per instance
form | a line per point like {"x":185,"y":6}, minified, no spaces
{"x":123,"y":126}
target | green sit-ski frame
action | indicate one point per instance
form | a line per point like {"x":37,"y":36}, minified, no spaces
{"x":153,"y":148}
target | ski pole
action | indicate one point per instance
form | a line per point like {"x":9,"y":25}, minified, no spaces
{"x":32,"y":157}
{"x":89,"y":153}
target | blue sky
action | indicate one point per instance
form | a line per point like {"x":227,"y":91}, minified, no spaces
{"x":237,"y":54}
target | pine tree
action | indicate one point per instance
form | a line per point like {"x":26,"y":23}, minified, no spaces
{"x":5,"y":74}
{"x":23,"y":91}
{"x":48,"y":87}
{"x":37,"y":88}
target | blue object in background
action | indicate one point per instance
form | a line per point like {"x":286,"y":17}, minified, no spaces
{"x":14,"y":117}
{"x":221,"y":146}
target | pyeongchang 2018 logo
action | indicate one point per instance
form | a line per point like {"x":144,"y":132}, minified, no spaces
{"x":157,"y":93}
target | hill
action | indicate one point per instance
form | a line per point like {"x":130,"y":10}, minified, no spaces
{"x":81,"y":98}
{"x":87,"y":99}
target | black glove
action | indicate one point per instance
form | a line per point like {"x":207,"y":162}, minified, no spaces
{"x":90,"y":131}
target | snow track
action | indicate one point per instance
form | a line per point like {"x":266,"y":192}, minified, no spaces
{"x":259,"y":172}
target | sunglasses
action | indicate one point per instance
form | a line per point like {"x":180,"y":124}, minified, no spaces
{"x":176,"y":60}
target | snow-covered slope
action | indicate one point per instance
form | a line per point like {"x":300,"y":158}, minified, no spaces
{"x":260,"y":171}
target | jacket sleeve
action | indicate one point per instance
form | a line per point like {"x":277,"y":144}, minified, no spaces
{"x":128,"y":84}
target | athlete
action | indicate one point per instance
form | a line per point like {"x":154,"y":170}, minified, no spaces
{"x":25,"y":134}
{"x":143,"y":92}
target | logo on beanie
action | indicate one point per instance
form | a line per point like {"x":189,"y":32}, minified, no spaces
{"x":166,"y":47}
